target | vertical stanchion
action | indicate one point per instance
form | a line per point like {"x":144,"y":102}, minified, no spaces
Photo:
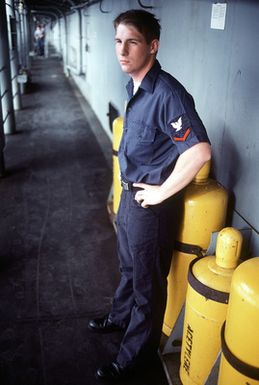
{"x":2,"y":142}
{"x":13,"y":55}
{"x":5,"y":75}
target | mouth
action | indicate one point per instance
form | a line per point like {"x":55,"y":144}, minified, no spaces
{"x":124,"y":62}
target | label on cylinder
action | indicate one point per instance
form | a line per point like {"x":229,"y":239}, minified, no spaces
{"x":188,"y":349}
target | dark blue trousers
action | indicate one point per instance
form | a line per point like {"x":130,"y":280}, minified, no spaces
{"x":145,"y":243}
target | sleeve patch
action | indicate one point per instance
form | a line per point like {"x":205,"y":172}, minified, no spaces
{"x":180,"y":128}
{"x":184,"y":137}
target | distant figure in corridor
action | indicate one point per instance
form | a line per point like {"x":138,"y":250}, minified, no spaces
{"x":164,"y":145}
{"x":39,"y":36}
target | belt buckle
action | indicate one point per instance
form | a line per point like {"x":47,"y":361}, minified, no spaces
{"x":125,"y":185}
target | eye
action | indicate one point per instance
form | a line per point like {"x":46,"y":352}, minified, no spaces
{"x":117,"y":41}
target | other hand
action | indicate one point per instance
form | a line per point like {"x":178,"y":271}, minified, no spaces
{"x":149,"y":195}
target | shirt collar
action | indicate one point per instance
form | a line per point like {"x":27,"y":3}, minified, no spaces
{"x":149,"y":80}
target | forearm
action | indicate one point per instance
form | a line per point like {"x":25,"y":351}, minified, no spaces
{"x":187,"y":166}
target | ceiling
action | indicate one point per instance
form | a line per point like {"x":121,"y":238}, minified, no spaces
{"x":61,"y":5}
{"x":53,"y":9}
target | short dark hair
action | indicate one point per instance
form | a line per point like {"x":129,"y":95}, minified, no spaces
{"x":145,"y":22}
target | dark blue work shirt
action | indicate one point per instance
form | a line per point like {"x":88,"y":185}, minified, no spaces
{"x":159,"y":124}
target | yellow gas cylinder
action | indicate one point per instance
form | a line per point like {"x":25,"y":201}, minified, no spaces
{"x":204,"y":211}
{"x":240,"y":340}
{"x":209,"y":280}
{"x":117,"y":134}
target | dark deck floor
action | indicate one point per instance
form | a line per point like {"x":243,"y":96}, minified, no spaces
{"x":58,"y":263}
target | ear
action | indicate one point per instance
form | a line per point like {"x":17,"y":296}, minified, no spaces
{"x":154,"y":46}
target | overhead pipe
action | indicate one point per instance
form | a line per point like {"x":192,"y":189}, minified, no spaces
{"x":145,"y":6}
{"x":100,"y":7}
{"x":79,"y":6}
{"x":86,"y":4}
{"x":89,"y":3}
{"x":71,"y":2}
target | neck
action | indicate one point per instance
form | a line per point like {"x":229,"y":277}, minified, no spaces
{"x":140,"y":76}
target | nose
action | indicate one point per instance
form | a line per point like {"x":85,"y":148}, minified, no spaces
{"x":123,"y":49}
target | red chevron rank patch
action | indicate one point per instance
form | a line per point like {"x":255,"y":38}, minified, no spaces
{"x":184,"y":137}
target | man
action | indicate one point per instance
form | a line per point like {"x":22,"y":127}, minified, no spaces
{"x":39,"y":36}
{"x":164,"y":145}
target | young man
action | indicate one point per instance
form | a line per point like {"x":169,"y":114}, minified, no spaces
{"x":163,"y":147}
{"x":39,"y":36}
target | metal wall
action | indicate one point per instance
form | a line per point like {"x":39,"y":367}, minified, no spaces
{"x":218,"y":67}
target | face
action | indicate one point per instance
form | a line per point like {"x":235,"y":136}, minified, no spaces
{"x":134,"y":54}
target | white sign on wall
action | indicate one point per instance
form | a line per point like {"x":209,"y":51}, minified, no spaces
{"x":218,"y":16}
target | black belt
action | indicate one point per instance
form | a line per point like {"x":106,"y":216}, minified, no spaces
{"x":128,"y":186}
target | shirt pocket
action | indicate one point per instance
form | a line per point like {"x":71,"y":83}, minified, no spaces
{"x":141,"y":138}
{"x":146,"y":134}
